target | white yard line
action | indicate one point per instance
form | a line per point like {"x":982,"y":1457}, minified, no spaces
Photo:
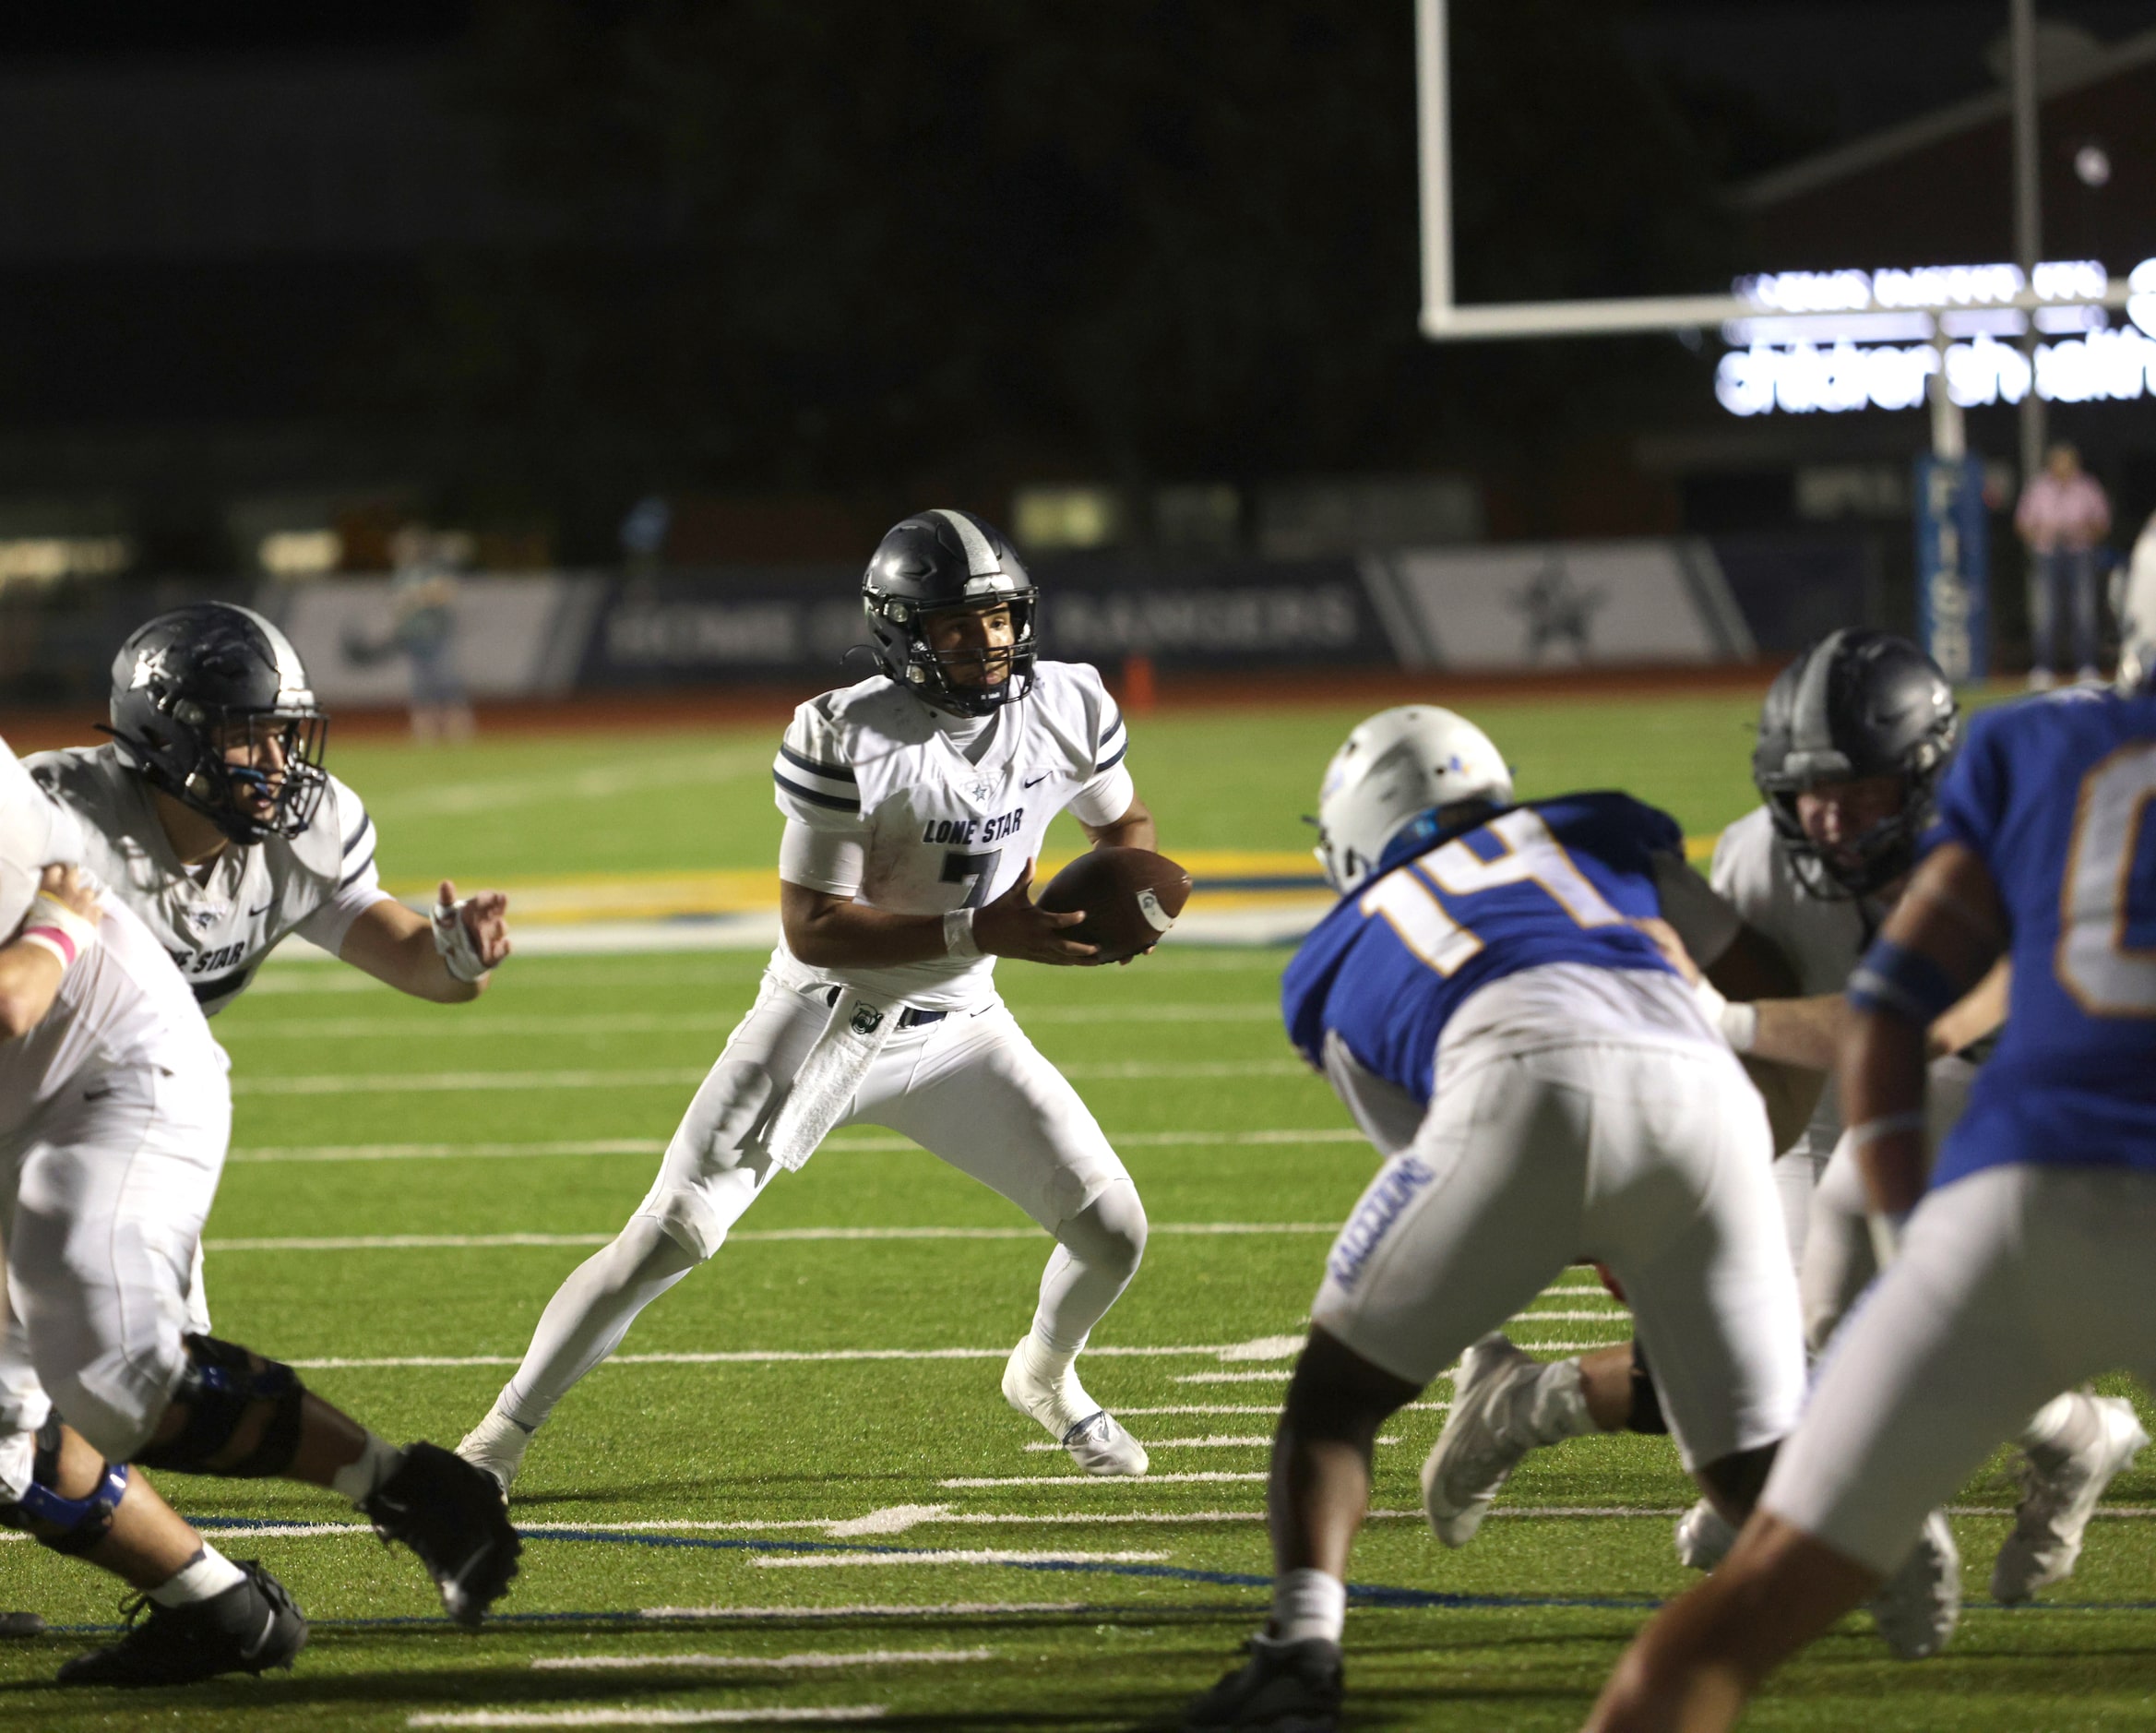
{"x":581,"y":1023}
{"x":438,"y":1083}
{"x":966,"y":1482}
{"x":778,"y":1663}
{"x":761,"y":1356}
{"x":869,"y":1610}
{"x":432,"y":1242}
{"x":989,"y":1555}
{"x":843,"y":1144}
{"x":643,"y":1717}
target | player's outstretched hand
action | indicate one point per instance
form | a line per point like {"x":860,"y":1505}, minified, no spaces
{"x":68,"y":887}
{"x":486,"y":920}
{"x":1013,"y":926}
{"x":1670,"y":945}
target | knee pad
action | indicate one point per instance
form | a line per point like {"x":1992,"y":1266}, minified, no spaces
{"x":220,"y":1391}
{"x":65,"y":1526}
{"x":1647,"y":1414}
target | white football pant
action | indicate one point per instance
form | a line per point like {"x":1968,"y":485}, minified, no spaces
{"x":103,"y":1199}
{"x":2011,"y":1284}
{"x":1653,"y":1158}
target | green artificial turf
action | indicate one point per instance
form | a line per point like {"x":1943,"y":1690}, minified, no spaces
{"x":358,"y":1119}
{"x":1227,"y":779}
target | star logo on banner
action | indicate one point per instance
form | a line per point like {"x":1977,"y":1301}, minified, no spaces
{"x":1557,"y":611}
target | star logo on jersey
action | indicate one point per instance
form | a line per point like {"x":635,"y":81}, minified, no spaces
{"x":981,"y":792}
{"x":205,"y":920}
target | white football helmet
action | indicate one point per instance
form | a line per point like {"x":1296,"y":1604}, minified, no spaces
{"x":2133,"y":600}
{"x":1396,"y":766}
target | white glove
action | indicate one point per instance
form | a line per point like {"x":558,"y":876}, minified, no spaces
{"x":453,"y":940}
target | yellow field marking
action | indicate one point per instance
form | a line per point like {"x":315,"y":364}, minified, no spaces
{"x":565,"y":898}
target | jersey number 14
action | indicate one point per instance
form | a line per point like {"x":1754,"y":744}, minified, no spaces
{"x":1410,"y":904}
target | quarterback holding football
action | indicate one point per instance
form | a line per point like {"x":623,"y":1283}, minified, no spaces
{"x":914,"y":804}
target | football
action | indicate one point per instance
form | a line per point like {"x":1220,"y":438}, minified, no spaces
{"x":1130,"y":896}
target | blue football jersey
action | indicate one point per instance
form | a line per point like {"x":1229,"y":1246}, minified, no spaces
{"x":1551,"y":881}
{"x":2058,"y":795}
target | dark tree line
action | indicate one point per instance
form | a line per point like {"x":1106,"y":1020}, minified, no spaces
{"x":834,"y":245}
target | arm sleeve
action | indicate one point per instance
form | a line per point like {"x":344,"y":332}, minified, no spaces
{"x":822,"y":859}
{"x":1707,"y":924}
{"x":812,"y":777}
{"x":1105,"y":795}
{"x":359,"y":885}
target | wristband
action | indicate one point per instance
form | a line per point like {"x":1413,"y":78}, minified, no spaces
{"x":958,"y":935}
{"x":1887,"y":1226}
{"x":1887,"y":1125}
{"x":54,"y":927}
{"x":1737,"y":1020}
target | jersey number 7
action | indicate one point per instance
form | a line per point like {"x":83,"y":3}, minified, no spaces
{"x":976,"y":872}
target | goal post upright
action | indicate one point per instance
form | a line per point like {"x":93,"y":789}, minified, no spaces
{"x":1444,"y":320}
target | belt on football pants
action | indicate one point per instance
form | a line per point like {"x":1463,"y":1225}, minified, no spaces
{"x":910,"y":1018}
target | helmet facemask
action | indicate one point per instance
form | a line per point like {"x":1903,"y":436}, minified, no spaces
{"x":957,"y":681}
{"x":1881,"y":853}
{"x":255,"y":774}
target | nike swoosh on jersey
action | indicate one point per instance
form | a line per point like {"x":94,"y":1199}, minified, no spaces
{"x":1041,"y":778}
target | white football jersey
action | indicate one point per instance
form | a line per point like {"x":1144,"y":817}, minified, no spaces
{"x":1822,"y":937}
{"x":218,"y":924}
{"x":938,"y":832}
{"x":119,"y":1004}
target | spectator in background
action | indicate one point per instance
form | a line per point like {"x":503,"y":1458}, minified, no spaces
{"x":423,"y":599}
{"x":2063,"y":518}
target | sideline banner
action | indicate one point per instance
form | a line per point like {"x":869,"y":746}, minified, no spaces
{"x":1558,"y":605}
{"x":514,"y":636}
{"x":701,"y":626}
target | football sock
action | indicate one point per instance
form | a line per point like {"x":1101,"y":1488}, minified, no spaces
{"x":1097,"y":1253}
{"x":2066,"y":1424}
{"x":1551,"y":1404}
{"x":362,"y":1477}
{"x":590,"y":1313}
{"x":1308,"y":1604}
{"x":209,"y":1573}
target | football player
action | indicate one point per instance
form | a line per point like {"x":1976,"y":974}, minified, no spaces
{"x":914,"y":802}
{"x":2026,"y":1263}
{"x":1853,"y":738}
{"x":114,"y":1113}
{"x":1484,"y":961}
{"x":209,"y":815}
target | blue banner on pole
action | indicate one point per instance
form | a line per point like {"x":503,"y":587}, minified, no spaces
{"x":1953,"y":567}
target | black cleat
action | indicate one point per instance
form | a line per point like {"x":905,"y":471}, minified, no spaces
{"x":1283,"y":1687}
{"x":250,"y":1628}
{"x":22,"y":1624}
{"x":451,"y":1514}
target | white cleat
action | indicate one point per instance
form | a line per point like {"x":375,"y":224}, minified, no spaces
{"x":1096,"y":1441}
{"x":498,"y":1445}
{"x":1703,"y":1537}
{"x":1919,"y":1606}
{"x":1481,"y":1444}
{"x":2055,"y":1506}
